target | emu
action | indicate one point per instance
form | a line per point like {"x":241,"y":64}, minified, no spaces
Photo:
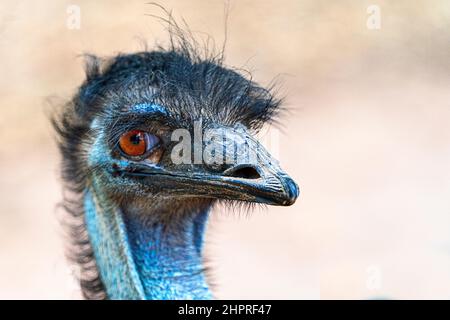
{"x":136,"y":217}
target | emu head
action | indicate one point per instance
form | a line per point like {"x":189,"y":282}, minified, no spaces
{"x":149,"y":143}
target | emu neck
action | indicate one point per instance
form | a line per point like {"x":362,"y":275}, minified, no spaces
{"x":141,"y":258}
{"x":168,"y":256}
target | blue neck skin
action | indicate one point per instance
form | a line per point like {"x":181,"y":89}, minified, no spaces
{"x":142,"y":259}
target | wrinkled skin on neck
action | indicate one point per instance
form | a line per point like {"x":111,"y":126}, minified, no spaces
{"x":168,"y":254}
{"x":143,"y":251}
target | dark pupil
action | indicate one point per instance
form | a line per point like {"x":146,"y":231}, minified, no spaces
{"x":136,"y":138}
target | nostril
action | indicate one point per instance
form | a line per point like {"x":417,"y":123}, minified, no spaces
{"x":245,"y":172}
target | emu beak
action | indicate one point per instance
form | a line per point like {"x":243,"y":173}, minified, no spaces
{"x":253,"y":175}
{"x":249,"y":172}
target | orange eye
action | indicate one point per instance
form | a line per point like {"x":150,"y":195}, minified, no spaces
{"x":136,"y":143}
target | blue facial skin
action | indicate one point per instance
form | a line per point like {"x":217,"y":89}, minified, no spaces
{"x":137,"y":260}
{"x":148,"y":108}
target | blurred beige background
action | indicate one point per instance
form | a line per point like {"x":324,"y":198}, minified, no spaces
{"x":367,"y":139}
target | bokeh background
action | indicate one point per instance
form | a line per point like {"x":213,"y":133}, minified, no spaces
{"x":367,"y":139}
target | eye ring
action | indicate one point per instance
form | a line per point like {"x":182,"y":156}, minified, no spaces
{"x":137,"y":144}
